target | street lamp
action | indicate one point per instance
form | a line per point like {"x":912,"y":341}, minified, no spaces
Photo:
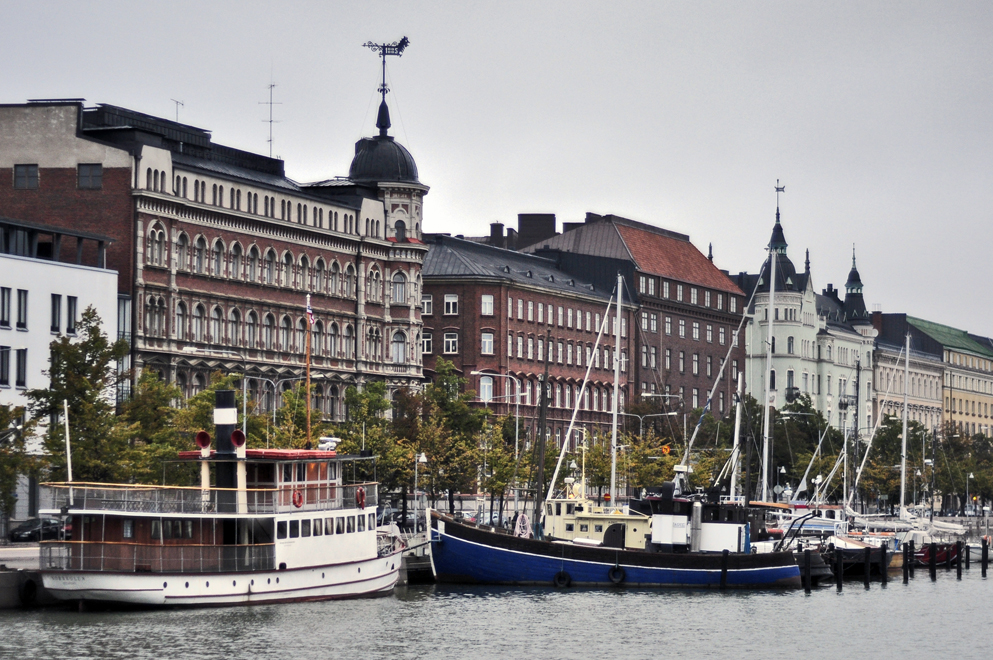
{"x":517,"y":417}
{"x":642,"y":418}
{"x":422,"y":458}
{"x":916,"y":479}
{"x":970,"y":476}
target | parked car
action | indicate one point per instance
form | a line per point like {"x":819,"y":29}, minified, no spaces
{"x":36,"y":529}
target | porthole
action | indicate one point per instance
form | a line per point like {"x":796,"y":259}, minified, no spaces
{"x":208,"y":584}
{"x":277,"y":580}
{"x":252,"y":583}
{"x":268,"y":581}
{"x":360,"y":570}
{"x":322,"y":576}
{"x":392,"y":566}
{"x":165,"y":584}
{"x":234,"y":583}
{"x":187,"y":585}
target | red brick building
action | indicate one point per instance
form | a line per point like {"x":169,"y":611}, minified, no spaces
{"x":688,"y":309}
{"x":499,"y":313}
{"x":217,"y":249}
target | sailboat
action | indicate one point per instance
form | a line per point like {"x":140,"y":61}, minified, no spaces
{"x":665,"y":539}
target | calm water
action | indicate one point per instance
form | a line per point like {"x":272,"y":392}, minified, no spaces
{"x":922,"y":620}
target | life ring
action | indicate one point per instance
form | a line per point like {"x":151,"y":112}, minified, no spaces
{"x":616,"y":575}
{"x":360,"y":497}
{"x":562,"y":580}
{"x":665,"y":449}
{"x":297,"y":499}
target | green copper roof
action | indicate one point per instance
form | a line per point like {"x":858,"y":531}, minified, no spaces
{"x":950,"y":337}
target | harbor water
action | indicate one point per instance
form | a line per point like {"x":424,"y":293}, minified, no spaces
{"x":946,"y":618}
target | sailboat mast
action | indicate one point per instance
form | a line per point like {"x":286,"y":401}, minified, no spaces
{"x":903,"y":444}
{"x":737,"y":437}
{"x":617,"y":378}
{"x":770,"y":338}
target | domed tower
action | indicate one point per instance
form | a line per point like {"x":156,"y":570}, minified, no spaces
{"x":384,"y":164}
{"x":854,"y":302}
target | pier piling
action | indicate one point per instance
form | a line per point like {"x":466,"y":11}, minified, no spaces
{"x":932,"y":560}
{"x":913,"y":558}
{"x":907,"y":557}
{"x":839,"y":568}
{"x":806,"y":570}
{"x":883,"y":565}
{"x":867,"y":566}
{"x":984,"y":556}
{"x":958,"y":564}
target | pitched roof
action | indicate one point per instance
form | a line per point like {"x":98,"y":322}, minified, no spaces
{"x":455,"y":257}
{"x":950,"y":337}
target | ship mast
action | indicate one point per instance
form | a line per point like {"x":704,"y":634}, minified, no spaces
{"x":770,"y":338}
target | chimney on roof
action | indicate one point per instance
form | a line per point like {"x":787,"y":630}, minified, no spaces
{"x":569,"y":226}
{"x":496,"y":235}
{"x":534,"y":227}
{"x":593,"y":217}
{"x":513,"y":239}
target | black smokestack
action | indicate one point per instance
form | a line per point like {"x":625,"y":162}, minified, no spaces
{"x":225,"y":420}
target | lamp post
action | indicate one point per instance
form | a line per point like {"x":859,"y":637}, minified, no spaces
{"x":517,"y":417}
{"x":244,"y":377}
{"x":421,"y":458}
{"x":916,"y":479}
{"x":969,"y":476}
{"x":642,"y":418}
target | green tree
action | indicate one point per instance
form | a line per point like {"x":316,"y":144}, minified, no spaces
{"x":83,"y":372}
{"x":150,"y":414}
{"x":14,"y":460}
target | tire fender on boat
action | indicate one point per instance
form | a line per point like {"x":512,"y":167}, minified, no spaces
{"x":360,"y":497}
{"x":297,"y":499}
{"x":562,"y":579}
{"x":616,"y":574}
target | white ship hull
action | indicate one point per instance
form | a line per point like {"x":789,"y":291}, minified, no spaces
{"x":368,"y":578}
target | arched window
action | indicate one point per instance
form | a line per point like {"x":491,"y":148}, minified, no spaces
{"x":335,"y":225}
{"x":333,"y":340}
{"x":199,"y":254}
{"x":399,"y":348}
{"x":217,"y":259}
{"x":181,"y":320}
{"x":319,"y":276}
{"x":305,"y":282}
{"x":184,"y":186}
{"x":217,"y":326}
{"x":148,"y":179}
{"x":374,"y":341}
{"x":287,"y":270}
{"x":236,"y":261}
{"x":198,"y":323}
{"x":234,"y":327}
{"x":269,"y":269}
{"x":284,"y":334}
{"x":399,"y":289}
{"x":199,"y":384}
{"x":349,"y":281}
{"x":334,"y":284}
{"x":268,"y":332}
{"x":252,"y":330}
{"x":349,"y":343}
{"x":253,"y":265}
{"x":300,"y":341}
{"x":162,"y":182}
{"x":317,"y":339}
{"x":375,"y":286}
{"x":401,"y":231}
{"x":255,"y":203}
{"x":155,"y":181}
{"x":181,"y":385}
{"x":333,"y":402}
{"x":182,"y":252}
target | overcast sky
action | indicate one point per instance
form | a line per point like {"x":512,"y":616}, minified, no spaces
{"x":875,"y":116}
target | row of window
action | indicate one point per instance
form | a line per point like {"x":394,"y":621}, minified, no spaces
{"x":649,"y":323}
{"x":324,"y":526}
{"x":89,"y":176}
{"x":288,"y":272}
{"x":966,"y":407}
{"x":6,"y":299}
{"x":562,"y":352}
{"x":567,"y":317}
{"x":649,"y":361}
{"x":560,"y":395}
{"x":288,"y":336}
{"x":649,"y":285}
{"x":20,"y":366}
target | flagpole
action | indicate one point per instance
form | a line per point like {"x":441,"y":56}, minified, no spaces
{"x":310,"y":322}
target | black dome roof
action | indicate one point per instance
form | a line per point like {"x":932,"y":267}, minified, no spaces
{"x":381,"y":158}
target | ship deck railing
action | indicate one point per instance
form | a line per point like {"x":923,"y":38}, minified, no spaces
{"x":131,"y":498}
{"x":155,"y":558}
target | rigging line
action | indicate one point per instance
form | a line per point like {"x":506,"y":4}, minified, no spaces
{"x":396,"y":98}
{"x":720,"y":372}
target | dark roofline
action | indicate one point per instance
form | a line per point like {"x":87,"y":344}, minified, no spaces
{"x":52,"y":229}
{"x":592,"y":218}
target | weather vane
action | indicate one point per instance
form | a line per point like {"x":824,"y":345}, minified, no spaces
{"x":395,"y":48}
{"x":779,"y":189}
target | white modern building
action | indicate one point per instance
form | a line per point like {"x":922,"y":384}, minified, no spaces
{"x":48,"y":277}
{"x":821,"y":344}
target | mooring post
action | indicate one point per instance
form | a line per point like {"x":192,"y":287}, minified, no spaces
{"x":968,"y":557}
{"x":839,"y":567}
{"x":906,"y":563}
{"x":867,"y":566}
{"x":958,"y":564}
{"x":913,"y":559}
{"x":883,"y":564}
{"x":932,"y":560}
{"x":984,"y":556}
{"x":806,"y":570}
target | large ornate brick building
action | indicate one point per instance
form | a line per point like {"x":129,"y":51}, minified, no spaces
{"x":217,"y":249}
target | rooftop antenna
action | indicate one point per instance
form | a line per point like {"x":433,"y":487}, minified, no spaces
{"x":178,"y":103}
{"x":270,"y":121}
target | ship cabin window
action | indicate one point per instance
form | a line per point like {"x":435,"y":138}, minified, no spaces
{"x":570,"y":509}
{"x":830,"y":514}
{"x":294,"y":529}
{"x":281,"y":529}
{"x":339,"y":526}
{"x":128,"y":529}
{"x":584,"y":528}
{"x":558,"y":508}
{"x":598,"y":529}
{"x":361,"y":522}
{"x":548,"y":509}
{"x":304,"y":528}
{"x":318,"y":527}
{"x":171,"y":529}
{"x":350,"y":525}
{"x":569,"y":527}
{"x":329,"y":526}
{"x":372,"y":521}
{"x":301,"y":472}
